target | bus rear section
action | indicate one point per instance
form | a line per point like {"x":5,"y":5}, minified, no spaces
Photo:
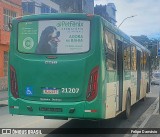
{"x":54,"y":67}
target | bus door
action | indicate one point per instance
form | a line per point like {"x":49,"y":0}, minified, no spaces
{"x":138,"y":74}
{"x":119,"y":75}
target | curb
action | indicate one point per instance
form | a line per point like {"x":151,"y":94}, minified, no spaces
{"x":3,"y":103}
{"x":3,"y":95}
{"x":3,"y":90}
{"x":2,"y":99}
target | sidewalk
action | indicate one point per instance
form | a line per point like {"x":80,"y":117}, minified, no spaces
{"x":154,"y":119}
{"x":3,"y":83}
{"x":151,"y":120}
{"x":3,"y":95}
{"x":153,"y":124}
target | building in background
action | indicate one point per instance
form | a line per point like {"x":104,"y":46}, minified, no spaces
{"x":108,"y":12}
{"x":39,"y":6}
{"x":76,"y":6}
{"x":8,"y":10}
{"x":88,"y":6}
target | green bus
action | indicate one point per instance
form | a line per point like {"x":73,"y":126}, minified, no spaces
{"x":74,"y":66}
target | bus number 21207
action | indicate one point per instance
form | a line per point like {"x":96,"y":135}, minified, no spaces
{"x":70,"y":90}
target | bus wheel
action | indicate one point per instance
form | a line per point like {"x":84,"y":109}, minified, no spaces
{"x":128,"y":106}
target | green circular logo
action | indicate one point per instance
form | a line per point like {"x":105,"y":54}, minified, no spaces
{"x":28,"y":43}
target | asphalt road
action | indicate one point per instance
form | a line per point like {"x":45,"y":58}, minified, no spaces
{"x":9,"y":121}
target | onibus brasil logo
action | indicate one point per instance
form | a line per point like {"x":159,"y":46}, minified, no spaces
{"x":28,"y":43}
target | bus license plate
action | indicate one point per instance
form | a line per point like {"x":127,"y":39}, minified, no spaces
{"x":51,"y":109}
{"x":51,"y":91}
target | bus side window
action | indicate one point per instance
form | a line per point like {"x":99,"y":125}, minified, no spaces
{"x":127,"y":57}
{"x":133,"y":58}
{"x":145,"y":61}
{"x":142,"y":61}
{"x":109,"y":40}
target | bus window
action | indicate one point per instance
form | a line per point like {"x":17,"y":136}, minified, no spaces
{"x":127,"y":57}
{"x":142,"y":61}
{"x":54,"y":36}
{"x":110,"y":52}
{"x":145,"y":61}
{"x":133,"y":58}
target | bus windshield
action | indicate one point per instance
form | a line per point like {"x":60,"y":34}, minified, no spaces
{"x":54,"y":36}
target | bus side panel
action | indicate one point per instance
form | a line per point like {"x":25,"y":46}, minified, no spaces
{"x":111,"y":89}
{"x":126,"y":86}
{"x":133,"y":86}
{"x":144,"y":82}
{"x":111,"y":100}
{"x":143,"y":85}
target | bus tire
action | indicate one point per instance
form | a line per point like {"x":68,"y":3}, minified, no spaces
{"x":128,"y":105}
